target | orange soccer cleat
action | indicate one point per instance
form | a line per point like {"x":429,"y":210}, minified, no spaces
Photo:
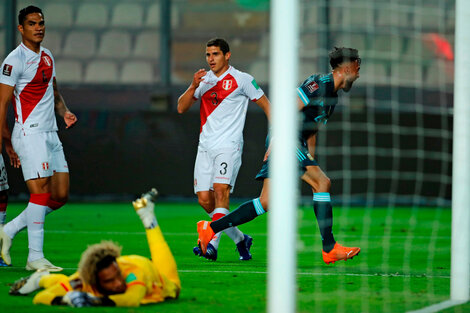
{"x":205,"y":235}
{"x":340,"y":253}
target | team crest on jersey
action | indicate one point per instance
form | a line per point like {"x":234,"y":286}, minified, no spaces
{"x":45,"y":166}
{"x":7,"y":69}
{"x":47,"y":60}
{"x":227,"y":84}
{"x":311,"y":87}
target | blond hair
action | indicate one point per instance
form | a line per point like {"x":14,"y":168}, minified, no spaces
{"x":87,"y":268}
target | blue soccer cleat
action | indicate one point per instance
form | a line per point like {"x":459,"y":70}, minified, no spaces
{"x":197,"y":251}
{"x":211,"y":252}
{"x":2,"y":263}
{"x":243,"y":248}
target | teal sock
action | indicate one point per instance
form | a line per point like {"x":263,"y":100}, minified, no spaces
{"x":324,"y":214}
{"x":243,"y":214}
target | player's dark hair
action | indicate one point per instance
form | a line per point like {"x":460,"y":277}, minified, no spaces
{"x":341,"y":55}
{"x":104,"y":263}
{"x":219,"y":42}
{"x":28,"y":10}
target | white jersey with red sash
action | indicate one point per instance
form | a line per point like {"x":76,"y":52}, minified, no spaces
{"x":32,"y":76}
{"x":224,"y":102}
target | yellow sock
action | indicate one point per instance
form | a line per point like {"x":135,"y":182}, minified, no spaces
{"x":55,"y":285}
{"x":162,"y":257}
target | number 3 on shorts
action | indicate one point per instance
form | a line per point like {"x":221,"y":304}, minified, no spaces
{"x":223,"y":170}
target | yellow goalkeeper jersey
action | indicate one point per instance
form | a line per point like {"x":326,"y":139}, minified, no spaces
{"x":144,"y":283}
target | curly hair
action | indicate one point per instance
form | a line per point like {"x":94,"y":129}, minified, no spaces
{"x":340,"y":55}
{"x":95,"y":258}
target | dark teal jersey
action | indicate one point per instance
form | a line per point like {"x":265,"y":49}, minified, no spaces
{"x":319,"y":97}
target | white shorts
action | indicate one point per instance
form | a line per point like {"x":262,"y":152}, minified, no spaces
{"x":217,"y":166}
{"x":41,"y":154}
{"x":3,"y":175}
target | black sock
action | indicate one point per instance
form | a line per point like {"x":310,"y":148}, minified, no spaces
{"x":324,"y":214}
{"x":243,"y":214}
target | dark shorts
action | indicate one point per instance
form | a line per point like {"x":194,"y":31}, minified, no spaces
{"x":303,"y":156}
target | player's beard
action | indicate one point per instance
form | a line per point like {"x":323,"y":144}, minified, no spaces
{"x":348,"y":85}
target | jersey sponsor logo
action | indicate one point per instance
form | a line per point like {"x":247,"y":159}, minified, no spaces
{"x":227,"y":84}
{"x":47,"y":60}
{"x":253,"y":82}
{"x":7,"y":69}
{"x":45,"y":166}
{"x":311,"y":87}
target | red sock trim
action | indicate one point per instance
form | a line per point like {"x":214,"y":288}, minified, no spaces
{"x":39,"y":198}
{"x":54,"y":205}
{"x":217,"y":216}
{"x":3,"y":207}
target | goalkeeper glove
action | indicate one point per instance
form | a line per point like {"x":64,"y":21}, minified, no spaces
{"x":80,"y":299}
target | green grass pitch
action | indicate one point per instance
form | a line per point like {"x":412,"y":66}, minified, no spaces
{"x":404,"y":264}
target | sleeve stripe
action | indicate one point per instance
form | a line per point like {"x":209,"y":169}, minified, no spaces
{"x":302,"y":95}
{"x":65,"y":287}
{"x":136,"y":283}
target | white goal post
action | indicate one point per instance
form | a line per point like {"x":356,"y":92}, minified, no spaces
{"x":283,"y":166}
{"x":460,"y":250}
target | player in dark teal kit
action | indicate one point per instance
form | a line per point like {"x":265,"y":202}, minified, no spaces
{"x":317,"y":100}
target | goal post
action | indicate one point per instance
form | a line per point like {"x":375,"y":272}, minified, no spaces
{"x":283,"y":166}
{"x":460,"y":248}
{"x":460,"y":251}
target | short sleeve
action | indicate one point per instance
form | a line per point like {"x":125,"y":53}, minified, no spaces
{"x":308,"y":90}
{"x":54,"y":74}
{"x":251,"y":88}
{"x":11,"y":71}
{"x":197,"y":93}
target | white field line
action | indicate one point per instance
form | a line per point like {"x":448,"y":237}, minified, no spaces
{"x":123,"y":233}
{"x":299,"y":274}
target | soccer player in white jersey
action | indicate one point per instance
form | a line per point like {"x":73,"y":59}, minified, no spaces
{"x":224,"y":93}
{"x":28,"y":79}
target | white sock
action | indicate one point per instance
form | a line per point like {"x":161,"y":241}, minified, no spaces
{"x":35,"y":215}
{"x":3,"y":216}
{"x":216,"y":240}
{"x":233,"y":232}
{"x":17,"y":224}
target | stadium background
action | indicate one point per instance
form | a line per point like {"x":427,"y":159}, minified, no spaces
{"x":122,"y":64}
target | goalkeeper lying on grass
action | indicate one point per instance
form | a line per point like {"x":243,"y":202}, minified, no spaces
{"x":105,"y":278}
